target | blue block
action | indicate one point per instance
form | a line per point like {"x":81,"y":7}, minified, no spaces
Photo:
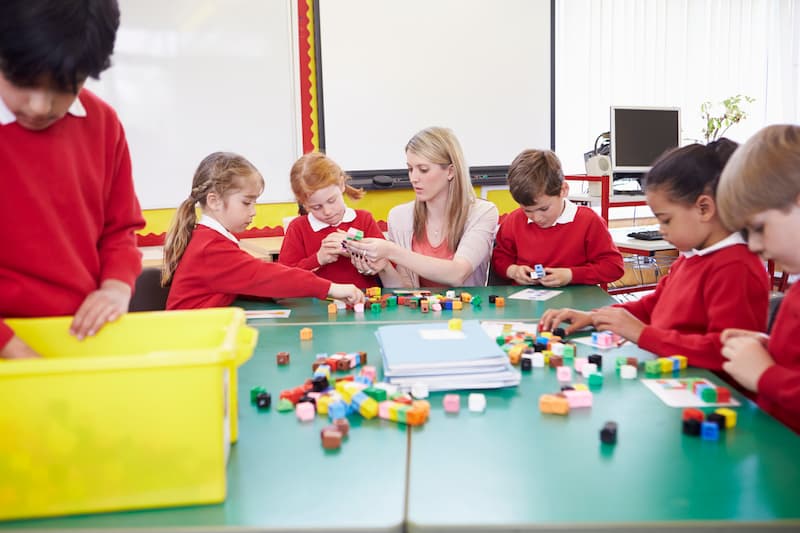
{"x":358,"y":398}
{"x":338,"y":409}
{"x":709,"y":431}
{"x":448,"y":305}
{"x":542,"y":340}
{"x":676,"y":363}
{"x":363,"y":379}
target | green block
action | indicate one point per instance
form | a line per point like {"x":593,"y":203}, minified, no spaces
{"x":709,"y":395}
{"x":621,"y":360}
{"x":652,"y":367}
{"x":596,"y":380}
{"x":375,"y":308}
{"x":284,"y":405}
{"x":500,"y":340}
{"x":379,"y":395}
{"x":569,"y":351}
{"x":530,"y":341}
{"x":477,"y":301}
{"x":401,"y":414}
{"x":254,"y":392}
{"x":391,"y":301}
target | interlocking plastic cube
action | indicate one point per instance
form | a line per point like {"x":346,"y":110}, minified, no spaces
{"x":282,"y":358}
{"x":730,"y":416}
{"x":436,"y":306}
{"x":419,"y":391}
{"x":331,"y":438}
{"x":355,"y":234}
{"x":263,"y":400}
{"x":476,"y":301}
{"x":332,"y":308}
{"x":595,"y":380}
{"x":254,"y":392}
{"x":537,"y":360}
{"x":564,"y":374}
{"x":723,"y":395}
{"x":476,"y":402}
{"x":553,"y":404}
{"x":579,"y":363}
{"x":451,"y":403}
{"x":526,"y":362}
{"x":608,"y":435}
{"x":306,"y":334}
{"x":690,"y":413}
{"x":538,"y":272}
{"x":557,"y":348}
{"x":424,"y":306}
{"x":628,"y":372}
{"x":578,"y":398}
{"x":457,"y":305}
{"x":500,"y":301}
{"x":455,"y":324}
{"x":709,"y":431}
{"x":305,"y":411}
{"x":597,"y":360}
{"x":588,"y":369}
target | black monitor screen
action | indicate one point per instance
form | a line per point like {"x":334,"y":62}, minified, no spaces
{"x":640,"y":136}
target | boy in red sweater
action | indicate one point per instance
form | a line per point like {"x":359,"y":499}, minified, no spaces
{"x":572,"y":243}
{"x":313,"y":241}
{"x":66,"y":172}
{"x":760,"y":191}
{"x":203,"y":263}
{"x":716,"y":284}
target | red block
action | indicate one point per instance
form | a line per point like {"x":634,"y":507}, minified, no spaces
{"x":723,"y":395}
{"x":693,"y":414}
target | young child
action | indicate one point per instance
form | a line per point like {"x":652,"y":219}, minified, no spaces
{"x":760,"y":191}
{"x":202,"y":259}
{"x":572,"y":243}
{"x":717,"y":283}
{"x":314,"y":240}
{"x":68,"y":206}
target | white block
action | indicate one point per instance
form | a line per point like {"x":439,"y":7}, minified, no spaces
{"x":419,"y":391}
{"x":588,"y":369}
{"x":628,"y":372}
{"x":476,"y":402}
{"x":537,"y":359}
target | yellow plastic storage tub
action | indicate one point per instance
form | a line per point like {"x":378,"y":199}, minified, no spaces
{"x":140,"y":415}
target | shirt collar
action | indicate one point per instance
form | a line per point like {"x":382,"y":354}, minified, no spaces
{"x":317,"y":224}
{"x":567,"y":215}
{"x":731,"y":240}
{"x":7,"y":117}
{"x":212,"y":223}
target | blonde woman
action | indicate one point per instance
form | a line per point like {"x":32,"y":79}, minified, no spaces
{"x":444,"y":236}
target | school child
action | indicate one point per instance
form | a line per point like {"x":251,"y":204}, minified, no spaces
{"x":572,"y":243}
{"x":760,"y":192}
{"x":67,"y":204}
{"x":716,"y":284}
{"x":202,"y":259}
{"x":315,"y":240}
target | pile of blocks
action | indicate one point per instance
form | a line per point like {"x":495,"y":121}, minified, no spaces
{"x":696,"y":423}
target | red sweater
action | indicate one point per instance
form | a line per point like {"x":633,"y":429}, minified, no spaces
{"x":583,"y":245}
{"x":701,"y":296}
{"x":301,"y":244}
{"x":69,"y":213}
{"x":779,"y":386}
{"x":214,"y":271}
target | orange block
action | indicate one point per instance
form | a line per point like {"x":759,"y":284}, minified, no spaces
{"x":306,"y":334}
{"x":500,"y":301}
{"x":553,"y":404}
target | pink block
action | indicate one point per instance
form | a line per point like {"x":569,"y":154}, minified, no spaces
{"x":564,"y":374}
{"x":383,"y":409}
{"x":370,"y":372}
{"x":452,"y":403}
{"x":358,"y":308}
{"x":305,"y":411}
{"x":579,"y":362}
{"x":578,"y":398}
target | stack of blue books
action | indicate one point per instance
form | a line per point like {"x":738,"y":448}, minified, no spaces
{"x":444,"y":359}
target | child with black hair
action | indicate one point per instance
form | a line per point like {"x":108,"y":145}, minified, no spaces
{"x":66,"y":171}
{"x":717,"y":283}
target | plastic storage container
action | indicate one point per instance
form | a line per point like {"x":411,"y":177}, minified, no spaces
{"x":140,"y":415}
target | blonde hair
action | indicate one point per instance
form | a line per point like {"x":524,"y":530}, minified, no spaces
{"x":764,"y":173}
{"x":315,"y":171}
{"x":222,"y":173}
{"x":441,"y":147}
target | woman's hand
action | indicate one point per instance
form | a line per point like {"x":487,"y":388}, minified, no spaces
{"x":371,"y":248}
{"x":367,"y":267}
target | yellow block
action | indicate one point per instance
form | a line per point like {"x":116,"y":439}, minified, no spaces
{"x":730,"y":416}
{"x":140,"y":415}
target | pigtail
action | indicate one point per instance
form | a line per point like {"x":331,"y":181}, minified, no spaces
{"x":178,"y":236}
{"x":350,"y":191}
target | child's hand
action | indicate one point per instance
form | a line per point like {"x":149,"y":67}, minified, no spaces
{"x":576,"y":319}
{"x":731,"y":333}
{"x":556,"y":277}
{"x":17,"y":349}
{"x":106,"y":304}
{"x":619,"y":321}
{"x":747,"y":360}
{"x":346,"y":292}
{"x":331,"y":248}
{"x":521,"y":274}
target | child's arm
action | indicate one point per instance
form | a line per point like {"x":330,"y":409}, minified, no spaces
{"x":603,"y":260}
{"x":732,"y":299}
{"x":748,"y":360}
{"x":293,"y":252}
{"x":106,"y":304}
{"x":15,"y":348}
{"x":552,"y":318}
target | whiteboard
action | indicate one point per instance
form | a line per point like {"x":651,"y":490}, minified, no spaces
{"x":391,"y":68}
{"x":189,"y":78}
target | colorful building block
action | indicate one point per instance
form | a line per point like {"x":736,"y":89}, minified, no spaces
{"x":595,"y":380}
{"x":305,"y":411}
{"x":500,"y":301}
{"x":553,"y":404}
{"x":709,"y":431}
{"x":282,"y":358}
{"x":628,"y":372}
{"x":578,"y":398}
{"x":306,"y":334}
{"x":608,"y":435}
{"x":563,"y":373}
{"x":263,"y":400}
{"x":451,"y":403}
{"x":419,"y":391}
{"x":331,"y":438}
{"x":254,"y":392}
{"x":455,"y":324}
{"x":476,"y":402}
{"x":730,"y":416}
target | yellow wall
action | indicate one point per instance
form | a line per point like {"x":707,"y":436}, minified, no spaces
{"x":271,"y":215}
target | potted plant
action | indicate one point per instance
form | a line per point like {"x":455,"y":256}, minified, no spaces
{"x":719,"y":116}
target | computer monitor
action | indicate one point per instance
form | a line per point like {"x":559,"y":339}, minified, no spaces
{"x":639,"y":135}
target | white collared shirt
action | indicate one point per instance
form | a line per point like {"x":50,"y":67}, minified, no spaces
{"x":7,"y":117}
{"x":731,"y":240}
{"x":214,"y":224}
{"x":566,"y":216}
{"x":317,"y":224}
